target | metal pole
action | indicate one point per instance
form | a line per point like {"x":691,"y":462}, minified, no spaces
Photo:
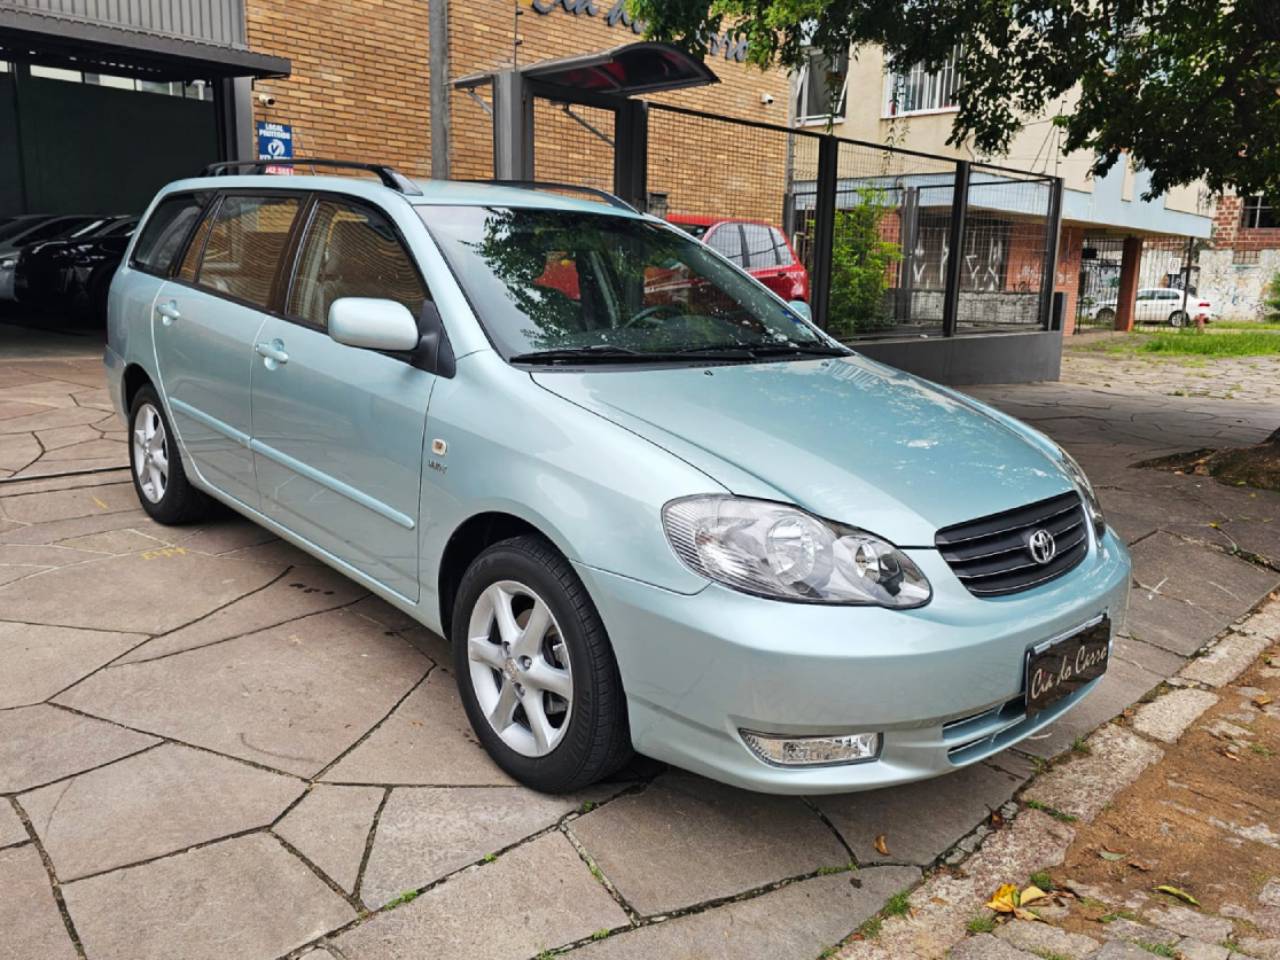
{"x":824,"y":219}
{"x":955,"y":251}
{"x":438,"y":20}
{"x":631,"y":153}
{"x":1186,"y":276}
{"x":1052,"y":230}
{"x":512,"y":127}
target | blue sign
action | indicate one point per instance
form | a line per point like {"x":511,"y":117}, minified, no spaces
{"x":275,"y":141}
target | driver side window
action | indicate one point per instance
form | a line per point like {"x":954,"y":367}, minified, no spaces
{"x":351,"y":251}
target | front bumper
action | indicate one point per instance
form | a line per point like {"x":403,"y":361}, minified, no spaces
{"x":943,"y":683}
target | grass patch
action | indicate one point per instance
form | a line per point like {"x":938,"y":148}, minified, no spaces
{"x":1198,"y":343}
{"x":871,"y":928}
{"x":601,"y":934}
{"x":1159,"y":949}
{"x":407,"y":897}
{"x":1060,"y":815}
{"x":828,"y":871}
{"x":1078,"y":745}
{"x":984,"y":923}
{"x":1242,"y":325}
{"x":898,"y":904}
{"x":1117,"y":915}
{"x":1050,"y":955}
{"x":1042,"y":880}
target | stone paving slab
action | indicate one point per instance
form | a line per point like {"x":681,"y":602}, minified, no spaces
{"x":31,"y":927}
{"x":1209,"y":583}
{"x":537,"y":896}
{"x":41,"y":744}
{"x":796,"y":922}
{"x":425,"y":833}
{"x":920,"y":821}
{"x":330,"y":827}
{"x":292,"y":697}
{"x":246,"y":897}
{"x":39,"y":661}
{"x":179,"y":586}
{"x":11,"y":829}
{"x":157,"y":802}
{"x":987,"y":947}
{"x":296,"y":594}
{"x":50,"y":505}
{"x":1042,"y":939}
{"x":1166,"y":718}
{"x":426,"y":741}
{"x":686,"y":840}
{"x":1085,"y":784}
{"x":1237,"y":651}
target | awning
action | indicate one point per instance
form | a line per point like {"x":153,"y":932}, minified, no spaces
{"x":57,"y":41}
{"x":644,"y":67}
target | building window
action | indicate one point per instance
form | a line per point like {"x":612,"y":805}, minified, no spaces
{"x":917,"y":90}
{"x":821,"y":87}
{"x":1257,"y":212}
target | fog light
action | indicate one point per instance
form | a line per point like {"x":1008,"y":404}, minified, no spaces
{"x":812,"y":751}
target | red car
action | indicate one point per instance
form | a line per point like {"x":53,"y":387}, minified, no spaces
{"x":762,"y":250}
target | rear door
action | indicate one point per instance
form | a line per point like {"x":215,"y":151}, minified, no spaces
{"x":762,"y":259}
{"x":206,"y":320}
{"x":338,"y":431}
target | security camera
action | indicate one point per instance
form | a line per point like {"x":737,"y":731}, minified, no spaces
{"x":266,"y":99}
{"x":766,"y":98}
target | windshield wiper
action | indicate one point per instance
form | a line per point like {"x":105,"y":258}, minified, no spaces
{"x":807,"y":349}
{"x":608,"y":353}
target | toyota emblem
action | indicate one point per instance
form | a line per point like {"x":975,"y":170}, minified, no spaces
{"x":1041,"y":546}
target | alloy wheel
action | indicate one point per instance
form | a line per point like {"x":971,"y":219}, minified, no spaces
{"x":520,"y":669}
{"x":150,"y":453}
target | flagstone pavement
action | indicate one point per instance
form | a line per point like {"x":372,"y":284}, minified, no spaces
{"x":213,"y":746}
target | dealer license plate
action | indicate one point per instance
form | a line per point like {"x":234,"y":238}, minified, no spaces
{"x":1064,"y":666}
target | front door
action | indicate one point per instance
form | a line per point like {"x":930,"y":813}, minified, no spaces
{"x":205,"y":323}
{"x":338,"y":431}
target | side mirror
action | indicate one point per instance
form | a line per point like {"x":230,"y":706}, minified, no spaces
{"x":372,"y":324}
{"x":802,"y":308}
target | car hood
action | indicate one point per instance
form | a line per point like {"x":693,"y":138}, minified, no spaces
{"x":846,"y":438}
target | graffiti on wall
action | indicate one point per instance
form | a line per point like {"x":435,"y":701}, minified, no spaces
{"x":1238,"y":289}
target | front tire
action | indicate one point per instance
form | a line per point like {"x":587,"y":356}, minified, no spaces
{"x":1107,"y":316}
{"x":1178,"y":318}
{"x":156,"y":465}
{"x":535,"y":668}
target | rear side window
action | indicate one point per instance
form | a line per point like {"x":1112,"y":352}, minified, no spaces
{"x":727,"y":239}
{"x":351,"y":251}
{"x":760,"y":246}
{"x":780,"y":245}
{"x":165,"y":231}
{"x":245,"y":244}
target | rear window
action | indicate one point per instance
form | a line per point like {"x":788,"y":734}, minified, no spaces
{"x":245,"y":245}
{"x":165,"y":232}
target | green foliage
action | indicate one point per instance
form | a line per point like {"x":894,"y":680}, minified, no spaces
{"x":860,"y":262}
{"x":1181,"y":86}
{"x":1159,"y":949}
{"x":871,"y":928}
{"x":899,"y":904}
{"x":1042,"y":880}
{"x":1272,"y":300}
{"x":407,"y":897}
{"x":983,"y":923}
{"x":1191,"y":342}
{"x":1054,"y":812}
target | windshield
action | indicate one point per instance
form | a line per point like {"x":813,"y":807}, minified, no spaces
{"x":578,"y":283}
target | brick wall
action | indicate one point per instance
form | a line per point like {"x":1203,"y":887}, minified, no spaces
{"x":360,"y":82}
{"x":703,"y":167}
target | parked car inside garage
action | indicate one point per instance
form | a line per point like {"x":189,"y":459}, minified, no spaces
{"x":26,"y":229}
{"x":70,"y":277}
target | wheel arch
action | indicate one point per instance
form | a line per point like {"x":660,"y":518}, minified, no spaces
{"x":468,"y":540}
{"x":135,"y":377}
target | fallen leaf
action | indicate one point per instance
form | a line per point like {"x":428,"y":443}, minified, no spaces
{"x":1178,"y":894}
{"x":1261,"y":700}
{"x":882,"y":846}
{"x":1110,"y":856}
{"x":997,"y":818}
{"x":1021,"y":914}
{"x":1031,"y":895}
{"x":1004,"y":900}
{"x":1229,"y":755}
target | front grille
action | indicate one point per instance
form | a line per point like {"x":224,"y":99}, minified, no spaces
{"x":991,"y":557}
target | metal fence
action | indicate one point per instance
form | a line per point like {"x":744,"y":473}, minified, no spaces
{"x":1168,"y":277}
{"x":874,"y":226}
{"x":892,"y":242}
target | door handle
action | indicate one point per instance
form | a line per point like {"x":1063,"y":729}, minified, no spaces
{"x":168,"y":312}
{"x":273,"y":353}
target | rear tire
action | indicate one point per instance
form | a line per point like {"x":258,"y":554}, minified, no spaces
{"x":156,"y":465}
{"x":1178,"y":318}
{"x":553,"y":689}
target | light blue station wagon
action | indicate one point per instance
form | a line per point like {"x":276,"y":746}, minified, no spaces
{"x":652,"y":507}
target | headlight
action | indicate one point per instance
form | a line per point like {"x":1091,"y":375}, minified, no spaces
{"x":8,"y":263}
{"x":773,"y":550}
{"x":1086,"y":491}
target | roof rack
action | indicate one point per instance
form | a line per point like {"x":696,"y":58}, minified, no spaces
{"x":388,"y":175}
{"x":606,"y":196}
